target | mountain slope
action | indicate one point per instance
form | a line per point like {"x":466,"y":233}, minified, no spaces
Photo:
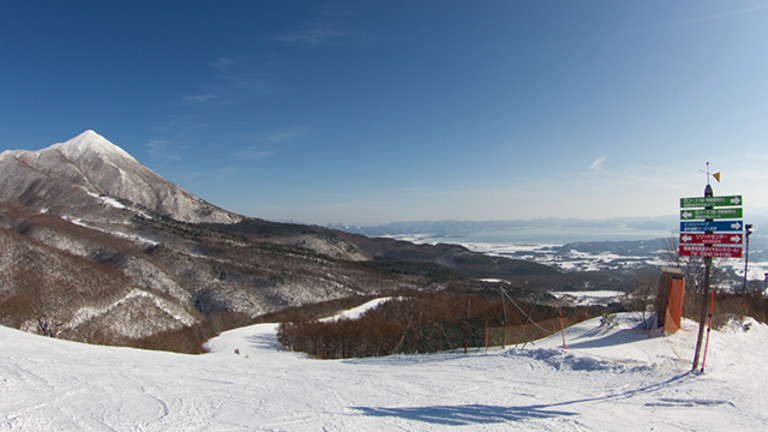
{"x":176,"y":265}
{"x":49,"y":291}
{"x":190,"y":265}
{"x":455,"y":257}
{"x":78,"y":176}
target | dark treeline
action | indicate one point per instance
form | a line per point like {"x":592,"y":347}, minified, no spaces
{"x":401,"y":324}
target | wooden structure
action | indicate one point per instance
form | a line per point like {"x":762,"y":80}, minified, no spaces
{"x":669,"y":299}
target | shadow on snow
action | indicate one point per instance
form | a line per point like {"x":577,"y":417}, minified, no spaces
{"x":459,"y":415}
{"x":263,"y":341}
{"x":616,"y":337}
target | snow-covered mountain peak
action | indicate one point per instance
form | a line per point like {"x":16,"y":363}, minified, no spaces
{"x":76,"y":173}
{"x":90,"y":142}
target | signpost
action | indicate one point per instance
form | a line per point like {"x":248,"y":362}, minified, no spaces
{"x":703,"y":238}
{"x":709,"y":239}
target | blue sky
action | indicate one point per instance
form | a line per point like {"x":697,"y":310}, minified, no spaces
{"x":364,"y":112}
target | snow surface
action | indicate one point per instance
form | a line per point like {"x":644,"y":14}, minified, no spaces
{"x":542,"y":253}
{"x":588,"y":298}
{"x":358,"y":311}
{"x":615,"y":378}
{"x":90,"y":142}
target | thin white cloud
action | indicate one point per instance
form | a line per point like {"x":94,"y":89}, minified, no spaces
{"x":283,"y":136}
{"x":253,"y":154}
{"x":706,"y":18}
{"x":757,"y":155}
{"x":163,"y":148}
{"x":324,"y":30}
{"x":248,"y":85}
{"x":265,"y":146}
{"x":736,"y":12}
{"x":318,"y":34}
{"x":199,"y":98}
{"x":597,"y":164}
{"x":223,"y":63}
{"x":233,"y":82}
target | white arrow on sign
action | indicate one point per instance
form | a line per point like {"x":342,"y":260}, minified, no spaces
{"x":686,"y":238}
{"x":735,"y":200}
{"x":736,"y":239}
{"x":736,"y":226}
{"x":687,"y":214}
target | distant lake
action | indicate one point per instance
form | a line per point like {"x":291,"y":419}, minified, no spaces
{"x":551,"y":230}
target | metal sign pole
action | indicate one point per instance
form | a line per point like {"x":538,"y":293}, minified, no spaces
{"x":705,"y":297}
{"x":716,"y":244}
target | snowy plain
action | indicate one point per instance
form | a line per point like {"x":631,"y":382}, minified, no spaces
{"x":610,"y":378}
{"x":542,"y":252}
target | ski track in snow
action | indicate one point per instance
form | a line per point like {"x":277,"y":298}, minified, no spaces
{"x":615,"y":379}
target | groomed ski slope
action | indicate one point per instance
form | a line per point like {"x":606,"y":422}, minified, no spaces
{"x":609,"y":379}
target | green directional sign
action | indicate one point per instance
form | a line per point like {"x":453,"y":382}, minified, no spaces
{"x":715,"y":201}
{"x":724,"y":213}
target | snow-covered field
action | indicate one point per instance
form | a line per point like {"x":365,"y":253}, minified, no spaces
{"x":587,"y":298}
{"x":547,"y":253}
{"x":609,"y":379}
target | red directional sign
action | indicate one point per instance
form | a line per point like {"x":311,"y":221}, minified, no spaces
{"x":710,"y":251}
{"x":711,"y":238}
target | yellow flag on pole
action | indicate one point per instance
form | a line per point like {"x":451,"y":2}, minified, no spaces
{"x":716,"y":176}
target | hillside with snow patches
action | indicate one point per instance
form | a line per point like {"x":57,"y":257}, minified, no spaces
{"x":77,"y":174}
{"x":99,"y":248}
{"x":610,"y":378}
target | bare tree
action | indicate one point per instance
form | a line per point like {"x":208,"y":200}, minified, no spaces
{"x":693,"y":267}
{"x":644,"y":287}
{"x":47,"y":326}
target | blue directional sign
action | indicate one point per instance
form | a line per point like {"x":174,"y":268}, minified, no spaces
{"x":711,"y":226}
